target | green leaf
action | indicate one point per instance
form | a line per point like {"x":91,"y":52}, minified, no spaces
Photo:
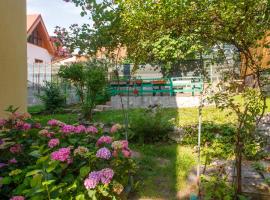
{"x":52,"y":166}
{"x":80,"y":197}
{"x":6,"y":180}
{"x":33,"y":172}
{"x":36,"y":181}
{"x":35,"y":154}
{"x":92,"y":194}
{"x":84,"y":171}
{"x":73,"y":186}
{"x":42,"y":159}
{"x":48,"y":182}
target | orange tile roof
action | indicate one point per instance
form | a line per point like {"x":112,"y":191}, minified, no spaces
{"x":31,"y":19}
{"x":32,"y":22}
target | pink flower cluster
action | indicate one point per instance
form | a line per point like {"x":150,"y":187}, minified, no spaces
{"x":62,"y":155}
{"x":115,"y":128}
{"x":20,"y":125}
{"x":17,"y":148}
{"x":80,"y":129}
{"x":3,"y":165}
{"x":68,"y":129}
{"x":46,"y":133}
{"x":104,"y":176}
{"x":54,"y":122}
{"x":104,"y":153}
{"x":104,"y":139}
{"x":122,"y":146}
{"x":91,"y":129}
{"x":53,"y":143}
{"x":37,"y":125}
{"x":2,"y":122}
{"x":13,"y":161}
{"x":17,"y":198}
{"x":16,"y":115}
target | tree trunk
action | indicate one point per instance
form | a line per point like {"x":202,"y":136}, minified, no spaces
{"x":238,"y":159}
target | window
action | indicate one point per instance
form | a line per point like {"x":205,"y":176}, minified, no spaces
{"x":35,"y":38}
{"x":38,"y":61}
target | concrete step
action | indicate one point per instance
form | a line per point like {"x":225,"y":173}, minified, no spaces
{"x":103,"y":107}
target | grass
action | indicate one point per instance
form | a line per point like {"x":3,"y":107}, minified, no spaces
{"x":164,"y":170}
{"x":180,"y":117}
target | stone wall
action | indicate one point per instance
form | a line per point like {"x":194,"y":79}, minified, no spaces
{"x":164,"y":101}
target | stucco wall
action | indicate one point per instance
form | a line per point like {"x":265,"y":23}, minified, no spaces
{"x":13,"y":65}
{"x":163,"y":101}
{"x":36,"y":52}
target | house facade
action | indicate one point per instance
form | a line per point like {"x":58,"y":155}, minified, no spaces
{"x":40,"y":51}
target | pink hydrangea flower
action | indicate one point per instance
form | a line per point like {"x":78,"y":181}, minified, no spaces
{"x":46,"y":133}
{"x":104,"y":153}
{"x":68,"y":129}
{"x":53,"y":143}
{"x":54,"y":122}
{"x":62,"y":155}
{"x":106,"y":175}
{"x":104,"y":139}
{"x":115,"y":128}
{"x":13,"y":161}
{"x":126,"y":153}
{"x":25,"y":116}
{"x":17,"y":198}
{"x":80,"y":129}
{"x":2,"y":165}
{"x":26,"y":127}
{"x":91,"y":129}
{"x":121,"y":144}
{"x":93,"y":180}
{"x":17,"y":148}
{"x":37,"y":125}
{"x":19,"y":124}
{"x":2,"y":122}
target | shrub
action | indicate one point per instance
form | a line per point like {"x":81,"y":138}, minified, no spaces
{"x":89,"y":79}
{"x":220,"y":140}
{"x":61,"y":161}
{"x":149,"y":125}
{"x":52,"y":97}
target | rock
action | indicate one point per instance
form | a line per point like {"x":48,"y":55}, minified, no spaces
{"x":103,"y":107}
{"x":177,"y":134}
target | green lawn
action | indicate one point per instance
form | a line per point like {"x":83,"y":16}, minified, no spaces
{"x":163,"y":169}
{"x":182,"y":116}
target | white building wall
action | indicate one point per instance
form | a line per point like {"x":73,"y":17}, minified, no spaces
{"x":36,"y":52}
{"x":38,"y":73}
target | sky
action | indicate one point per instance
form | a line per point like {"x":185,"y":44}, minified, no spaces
{"x":56,"y":13}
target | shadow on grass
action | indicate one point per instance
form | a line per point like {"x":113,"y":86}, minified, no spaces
{"x":163,"y":170}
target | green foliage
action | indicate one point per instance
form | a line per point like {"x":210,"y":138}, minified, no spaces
{"x":218,"y":141}
{"x":89,"y":79}
{"x":150,"y":126}
{"x":259,"y":167}
{"x":216,"y":187}
{"x":52,"y":97}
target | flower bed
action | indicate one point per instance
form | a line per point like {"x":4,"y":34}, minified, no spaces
{"x":61,"y":161}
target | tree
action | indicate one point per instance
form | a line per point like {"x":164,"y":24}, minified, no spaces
{"x":89,"y":79}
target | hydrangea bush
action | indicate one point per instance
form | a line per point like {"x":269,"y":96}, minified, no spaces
{"x":62,"y":161}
